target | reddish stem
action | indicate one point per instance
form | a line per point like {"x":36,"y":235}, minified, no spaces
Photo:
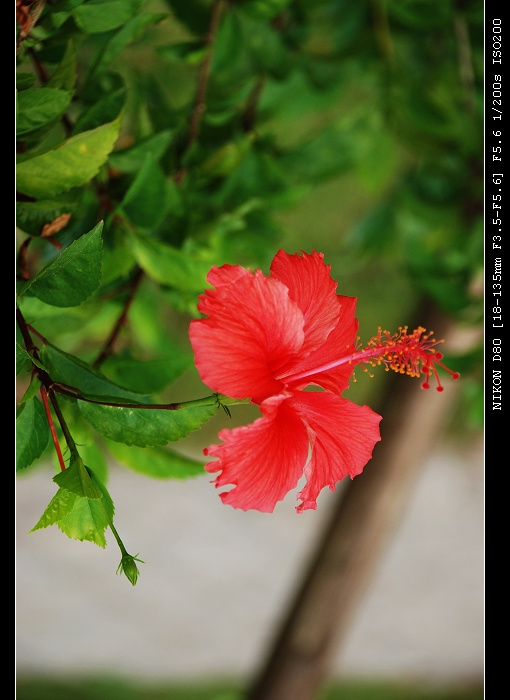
{"x":22,"y":259}
{"x":44,"y":396}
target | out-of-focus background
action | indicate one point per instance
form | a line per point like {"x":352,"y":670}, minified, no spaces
{"x":216,"y":580}
{"x":384,"y":159}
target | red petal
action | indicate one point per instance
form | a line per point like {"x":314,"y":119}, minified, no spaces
{"x":253,"y":332}
{"x":264,"y":460}
{"x":340,"y":343}
{"x":343,"y":436}
{"x":219,"y":277}
{"x":311,"y":287}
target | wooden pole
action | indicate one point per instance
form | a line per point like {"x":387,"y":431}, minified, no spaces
{"x":366,"y":515}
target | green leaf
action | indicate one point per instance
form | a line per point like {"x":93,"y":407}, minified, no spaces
{"x":33,"y":434}
{"x":70,"y":370}
{"x":172,"y":267}
{"x":266,"y":48}
{"x":24,"y":81}
{"x":60,"y":505}
{"x":73,"y":163}
{"x":261,"y":173}
{"x":74,"y":276}
{"x":62,"y":12}
{"x":99,"y":16}
{"x":66,"y":72}
{"x":131,"y":159}
{"x":265,"y":9}
{"x":23,"y":359}
{"x":149,"y":376}
{"x":131,"y":31}
{"x":421,"y":14}
{"x":245,"y":237}
{"x":87,"y":520}
{"x":91,"y":450}
{"x":104,"y":110}
{"x":156,"y":462}
{"x":144,"y":202}
{"x":145,"y":427}
{"x":151,"y":330}
{"x":38,"y":107}
{"x":322,"y":156}
{"x":106,"y":498}
{"x":91,"y":321}
{"x":194,"y":14}
{"x":33,"y":389}
{"x":77,"y":479}
{"x":230,"y":61}
{"x":32,"y":216}
{"x":226,"y":158}
{"x":191,"y":52}
{"x":424,"y":113}
{"x":82,"y":507}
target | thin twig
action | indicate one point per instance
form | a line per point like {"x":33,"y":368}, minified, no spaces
{"x":108,"y":348}
{"x":250,"y":113}
{"x":382,"y":31}
{"x":467,"y":75}
{"x":203,"y":83}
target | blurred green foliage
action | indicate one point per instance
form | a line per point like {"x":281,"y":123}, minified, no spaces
{"x":111,"y":689}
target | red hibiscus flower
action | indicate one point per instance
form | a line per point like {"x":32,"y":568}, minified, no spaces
{"x":267,"y":338}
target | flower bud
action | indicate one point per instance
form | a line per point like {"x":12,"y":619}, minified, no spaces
{"x":129,"y":568}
